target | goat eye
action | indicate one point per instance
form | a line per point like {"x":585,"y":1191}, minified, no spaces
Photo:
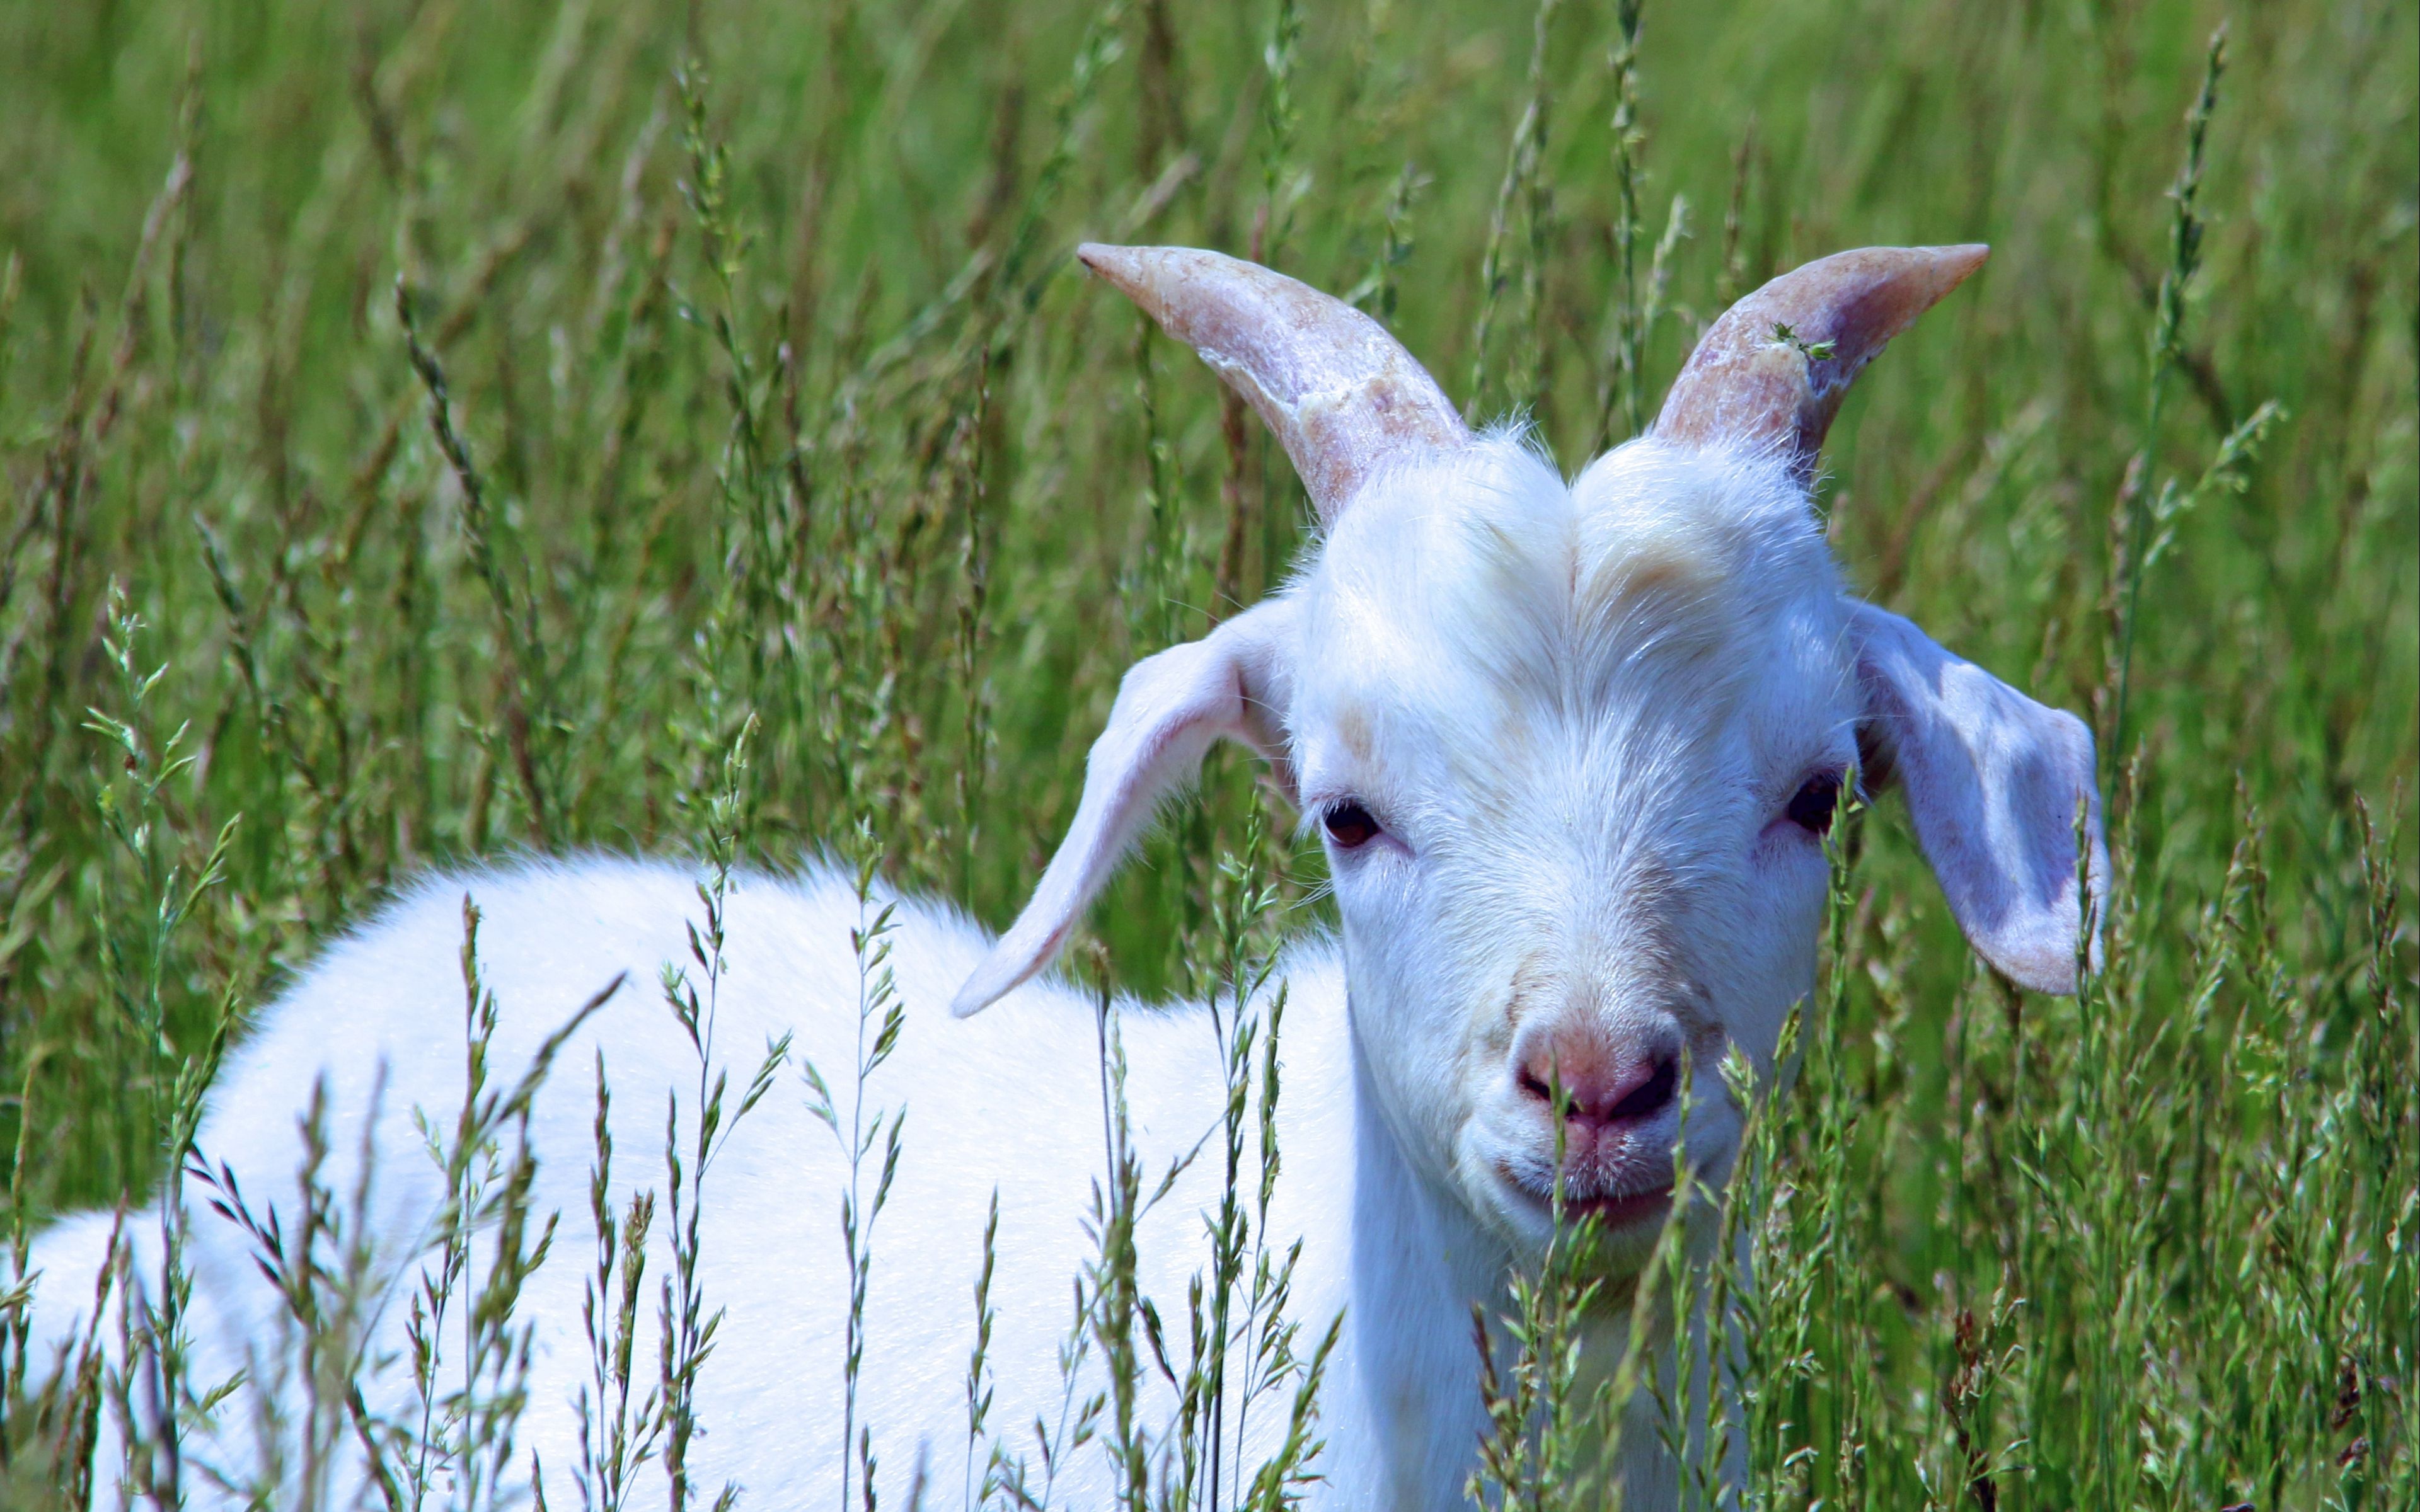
{"x":1349,"y":826}
{"x":1810,"y":808}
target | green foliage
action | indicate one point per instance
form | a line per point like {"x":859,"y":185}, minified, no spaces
{"x":680,"y":427}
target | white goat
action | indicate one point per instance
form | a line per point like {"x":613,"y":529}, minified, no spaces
{"x":1573,"y":748}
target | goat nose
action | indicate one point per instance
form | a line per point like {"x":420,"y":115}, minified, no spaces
{"x":1603,"y":1093}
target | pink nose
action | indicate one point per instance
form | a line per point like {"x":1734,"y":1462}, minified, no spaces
{"x":1603,"y":1091}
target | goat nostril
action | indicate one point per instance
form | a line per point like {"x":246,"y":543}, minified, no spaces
{"x":1595,"y":1101}
{"x":1648,"y":1098}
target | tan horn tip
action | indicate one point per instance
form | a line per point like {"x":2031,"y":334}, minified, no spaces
{"x":1342,"y":395}
{"x":1773,"y":371}
{"x":1159,"y":280}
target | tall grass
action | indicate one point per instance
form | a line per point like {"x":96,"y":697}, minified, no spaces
{"x":489,"y":417}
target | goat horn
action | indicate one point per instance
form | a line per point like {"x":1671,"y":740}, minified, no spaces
{"x":1773,"y":371}
{"x":1345,"y":398}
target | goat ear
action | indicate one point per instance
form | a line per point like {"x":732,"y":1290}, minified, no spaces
{"x":1233,"y":684}
{"x":1993,"y":781}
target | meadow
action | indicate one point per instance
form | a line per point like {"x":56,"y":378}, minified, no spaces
{"x":436,"y":430}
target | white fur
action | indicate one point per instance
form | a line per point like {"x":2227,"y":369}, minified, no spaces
{"x":1578,"y":713}
{"x":1010,"y":1103}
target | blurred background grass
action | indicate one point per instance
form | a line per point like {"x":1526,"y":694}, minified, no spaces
{"x":780,"y":395}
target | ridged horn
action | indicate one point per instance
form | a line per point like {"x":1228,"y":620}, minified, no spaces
{"x":1756,"y":379}
{"x":1343,"y":397}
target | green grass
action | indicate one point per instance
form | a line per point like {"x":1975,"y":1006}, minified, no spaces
{"x":771,"y":392}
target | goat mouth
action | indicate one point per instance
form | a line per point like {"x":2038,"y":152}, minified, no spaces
{"x":1622,"y":1210}
{"x":1612,"y":1209}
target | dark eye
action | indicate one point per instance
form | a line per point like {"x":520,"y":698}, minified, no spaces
{"x":1349,"y":826}
{"x":1810,"y":808}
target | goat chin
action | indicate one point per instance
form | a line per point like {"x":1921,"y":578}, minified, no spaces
{"x":1009,"y":1103}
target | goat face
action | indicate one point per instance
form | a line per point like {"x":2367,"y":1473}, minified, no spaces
{"x":1573,"y":749}
{"x":1572,"y":752}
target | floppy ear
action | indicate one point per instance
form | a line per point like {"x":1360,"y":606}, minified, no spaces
{"x":1233,"y":684}
{"x":1993,"y":781}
